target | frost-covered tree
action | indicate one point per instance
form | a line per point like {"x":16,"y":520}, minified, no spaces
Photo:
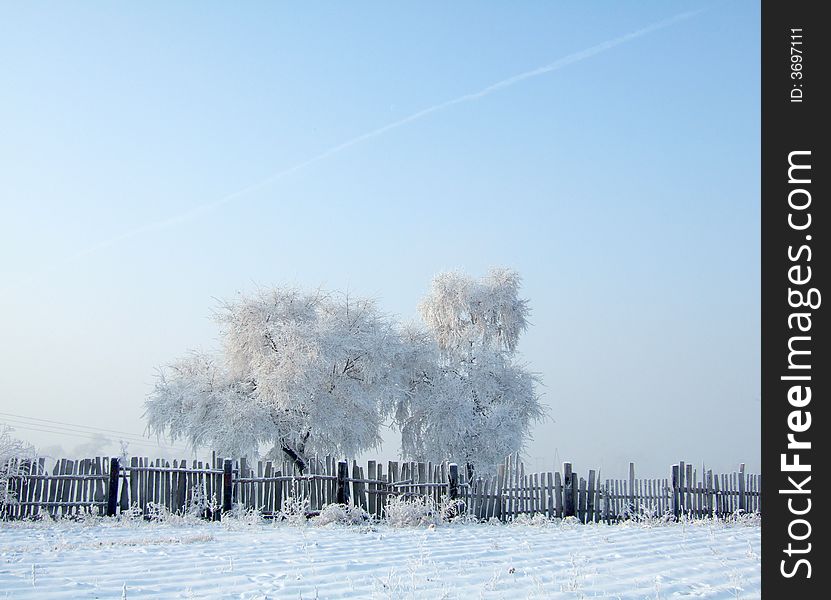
{"x":473,"y":402}
{"x":11,"y":449}
{"x":467,"y":315}
{"x":303,"y":373}
{"x":299,"y":373}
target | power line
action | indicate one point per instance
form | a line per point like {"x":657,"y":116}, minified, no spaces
{"x":64,"y":428}
{"x":87,"y":434}
{"x":112,"y":431}
{"x":73,"y":429}
{"x":148,"y":443}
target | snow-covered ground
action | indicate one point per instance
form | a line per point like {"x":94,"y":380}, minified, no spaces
{"x":243,"y":559}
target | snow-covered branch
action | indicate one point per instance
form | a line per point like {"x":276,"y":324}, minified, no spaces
{"x":314,"y":372}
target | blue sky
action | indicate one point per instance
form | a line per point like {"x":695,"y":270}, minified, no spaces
{"x":624,"y":188}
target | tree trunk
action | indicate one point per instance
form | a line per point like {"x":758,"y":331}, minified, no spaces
{"x":295,"y":458}
{"x":469,"y":467}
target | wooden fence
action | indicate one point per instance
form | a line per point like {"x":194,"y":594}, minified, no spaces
{"x":105,"y":486}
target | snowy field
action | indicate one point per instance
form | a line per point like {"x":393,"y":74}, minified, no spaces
{"x":244,"y":559}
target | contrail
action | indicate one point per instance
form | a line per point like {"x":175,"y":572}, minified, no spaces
{"x":487,"y":91}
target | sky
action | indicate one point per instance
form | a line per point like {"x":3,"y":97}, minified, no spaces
{"x":157,"y":158}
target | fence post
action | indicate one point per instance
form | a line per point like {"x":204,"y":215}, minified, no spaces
{"x":742,"y":499}
{"x":607,"y":490}
{"x":632,"y":507}
{"x":568,"y":490}
{"x":112,"y":490}
{"x":342,"y":490}
{"x":453,"y":481}
{"x":676,"y":510}
{"x":11,"y":489}
{"x":227,"y":485}
{"x":592,"y":491}
{"x":710,"y":512}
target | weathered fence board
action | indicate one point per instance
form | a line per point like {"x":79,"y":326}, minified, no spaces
{"x":205,"y":489}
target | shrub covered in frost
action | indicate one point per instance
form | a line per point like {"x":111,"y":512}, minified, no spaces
{"x":240,"y":516}
{"x":408,"y":512}
{"x":294,"y":511}
{"x":345,"y":514}
{"x":10,"y":449}
{"x":535,"y":520}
